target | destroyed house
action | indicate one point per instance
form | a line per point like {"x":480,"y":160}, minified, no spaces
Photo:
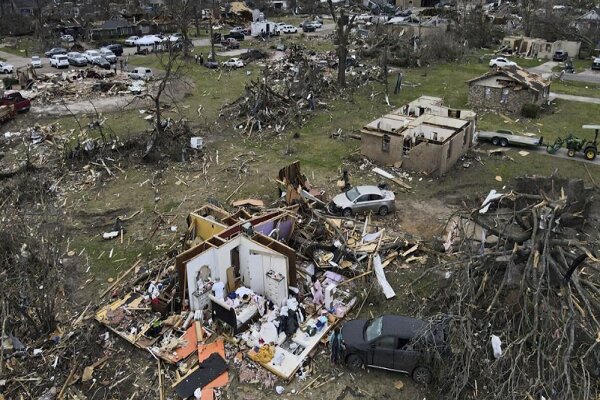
{"x":539,"y":48}
{"x":423,"y":136}
{"x":508,"y":90}
{"x":250,"y":253}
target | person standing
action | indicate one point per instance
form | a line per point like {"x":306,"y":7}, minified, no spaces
{"x":201,"y":59}
{"x":336,"y":346}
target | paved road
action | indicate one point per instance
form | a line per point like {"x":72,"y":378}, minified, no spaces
{"x":545,"y":70}
{"x":582,"y":99}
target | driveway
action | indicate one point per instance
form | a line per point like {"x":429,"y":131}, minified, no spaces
{"x":16,"y":61}
{"x":102,"y":104}
{"x":581,"y":99}
{"x":545,"y":70}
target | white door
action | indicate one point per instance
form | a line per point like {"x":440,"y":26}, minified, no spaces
{"x":260,"y":263}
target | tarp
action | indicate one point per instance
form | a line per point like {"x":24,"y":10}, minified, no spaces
{"x":147,"y":40}
{"x":378,"y":268}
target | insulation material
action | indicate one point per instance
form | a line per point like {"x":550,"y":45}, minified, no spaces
{"x":385,"y":286}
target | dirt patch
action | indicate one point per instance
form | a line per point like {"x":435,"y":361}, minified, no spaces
{"x":425,"y":219}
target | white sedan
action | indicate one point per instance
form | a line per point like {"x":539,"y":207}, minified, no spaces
{"x":501,"y":62}
{"x":36,"y":62}
{"x":234,"y":63}
{"x":6,"y":68}
{"x":288,"y":29}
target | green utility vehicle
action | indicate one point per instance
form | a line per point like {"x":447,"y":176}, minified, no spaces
{"x":576,"y":144}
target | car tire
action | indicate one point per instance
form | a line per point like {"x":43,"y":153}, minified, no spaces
{"x":383,"y":211}
{"x":422,"y":375}
{"x":347,"y":212}
{"x":504,"y":142}
{"x":354,"y":362}
{"x":494,"y":66}
{"x":495,"y":141}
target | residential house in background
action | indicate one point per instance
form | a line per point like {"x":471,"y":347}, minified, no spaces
{"x":25,"y":8}
{"x":114,"y":28}
{"x":588,"y":20}
{"x":423,"y":136}
{"x":415,"y":3}
{"x":508,"y":90}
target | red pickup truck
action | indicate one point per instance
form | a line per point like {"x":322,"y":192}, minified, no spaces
{"x":15,"y":99}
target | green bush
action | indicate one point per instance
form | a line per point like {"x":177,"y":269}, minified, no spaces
{"x":530,"y":111}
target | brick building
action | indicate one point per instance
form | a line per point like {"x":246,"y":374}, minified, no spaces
{"x":507,"y":90}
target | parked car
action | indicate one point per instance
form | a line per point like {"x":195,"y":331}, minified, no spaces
{"x":76,"y":59}
{"x":6,"y":68}
{"x":141,"y":73}
{"x":596,"y":63}
{"x":308,"y":28}
{"x":362,"y":199}
{"x":101,"y":62}
{"x":108,"y":55}
{"x":313,"y":24}
{"x":560,"y":55}
{"x":116,"y":48}
{"x":234,"y":63}
{"x":234,"y":35}
{"x":288,"y":29}
{"x":59,"y":61}
{"x":130,"y":41}
{"x":211,"y":64}
{"x":230,"y":43}
{"x":36,"y":62}
{"x":502,"y":62}
{"x":19,"y":103}
{"x":55,"y":50}
{"x":395,"y":343}
{"x":90,"y":55}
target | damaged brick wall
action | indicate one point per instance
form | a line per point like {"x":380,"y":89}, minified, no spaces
{"x":514,"y":103}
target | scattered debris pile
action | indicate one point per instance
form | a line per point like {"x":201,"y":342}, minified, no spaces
{"x":77,"y":85}
{"x":524,"y":294}
{"x":285,"y":94}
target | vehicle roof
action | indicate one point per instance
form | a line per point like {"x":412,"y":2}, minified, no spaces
{"x":406,"y":327}
{"x":368,"y":189}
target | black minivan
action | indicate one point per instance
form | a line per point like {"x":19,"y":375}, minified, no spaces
{"x":394,"y":343}
{"x":116,"y":48}
{"x":560,"y":55}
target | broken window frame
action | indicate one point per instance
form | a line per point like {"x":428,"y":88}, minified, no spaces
{"x":504,"y":96}
{"x":385,"y":143}
{"x":487,"y":94}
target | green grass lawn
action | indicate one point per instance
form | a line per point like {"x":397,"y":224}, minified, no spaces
{"x":322,"y":157}
{"x":576,"y":88}
{"x":24,"y":47}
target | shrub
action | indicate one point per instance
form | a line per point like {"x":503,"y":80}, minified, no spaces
{"x":530,"y":110}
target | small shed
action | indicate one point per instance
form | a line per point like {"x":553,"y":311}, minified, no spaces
{"x":508,"y":90}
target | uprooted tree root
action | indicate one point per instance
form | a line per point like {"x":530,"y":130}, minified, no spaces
{"x":537,"y":289}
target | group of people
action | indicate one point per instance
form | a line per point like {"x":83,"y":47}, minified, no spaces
{"x":199,"y":59}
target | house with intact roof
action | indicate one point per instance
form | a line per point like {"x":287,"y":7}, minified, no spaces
{"x":508,"y":90}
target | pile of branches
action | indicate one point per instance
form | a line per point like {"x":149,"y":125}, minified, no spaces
{"x":525,"y":276}
{"x":285,"y":94}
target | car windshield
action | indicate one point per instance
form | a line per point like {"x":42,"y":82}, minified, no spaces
{"x":352,"y":194}
{"x":373,"y":329}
